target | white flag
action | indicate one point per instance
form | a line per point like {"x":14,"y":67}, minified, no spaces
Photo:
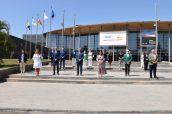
{"x":32,"y":21}
{"x":45,"y":16}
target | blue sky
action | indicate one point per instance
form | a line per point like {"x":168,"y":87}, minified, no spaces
{"x":16,"y":12}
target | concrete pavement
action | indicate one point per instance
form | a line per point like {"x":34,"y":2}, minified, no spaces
{"x":86,"y":97}
{"x":88,"y":94}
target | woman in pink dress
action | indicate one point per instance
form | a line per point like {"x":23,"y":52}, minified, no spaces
{"x":100,"y":63}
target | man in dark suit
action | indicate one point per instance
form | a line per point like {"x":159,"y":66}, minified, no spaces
{"x":22,"y":60}
{"x":55,"y":57}
{"x":146,"y":61}
{"x":79,"y":61}
{"x":51,"y":57}
{"x":62,"y":58}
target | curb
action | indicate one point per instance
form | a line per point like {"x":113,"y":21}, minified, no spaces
{"x":93,"y":81}
{"x":47,"y":111}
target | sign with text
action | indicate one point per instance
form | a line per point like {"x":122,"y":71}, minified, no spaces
{"x":113,"y":38}
{"x":148,"y":37}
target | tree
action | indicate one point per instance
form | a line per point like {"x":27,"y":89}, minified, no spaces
{"x":4,"y":28}
{"x":4,"y":34}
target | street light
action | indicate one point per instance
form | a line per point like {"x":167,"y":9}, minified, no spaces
{"x":156,"y":25}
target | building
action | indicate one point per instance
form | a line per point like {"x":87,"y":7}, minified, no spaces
{"x":35,"y":38}
{"x":88,"y":37}
{"x":17,"y":44}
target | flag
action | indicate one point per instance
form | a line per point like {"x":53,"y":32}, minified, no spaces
{"x":39,"y":21}
{"x":45,"y":16}
{"x":28,"y":25}
{"x":52,"y":14}
{"x":34,"y":23}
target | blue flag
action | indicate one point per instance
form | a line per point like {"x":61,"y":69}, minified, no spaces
{"x":52,"y":14}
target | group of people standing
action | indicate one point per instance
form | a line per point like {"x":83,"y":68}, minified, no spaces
{"x":58,"y":56}
{"x":37,"y":58}
{"x":81,"y":58}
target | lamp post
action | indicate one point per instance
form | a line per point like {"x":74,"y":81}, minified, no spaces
{"x":156,"y":26}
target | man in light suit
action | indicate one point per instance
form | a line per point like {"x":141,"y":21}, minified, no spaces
{"x":79,"y":61}
{"x":153,"y":59}
{"x":55,"y":58}
{"x":22,"y":60}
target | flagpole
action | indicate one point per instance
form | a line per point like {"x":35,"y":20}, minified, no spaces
{"x":36,"y":34}
{"x":30,"y":41}
{"x":140,"y":40}
{"x":169,"y":45}
{"x":42,"y":34}
{"x":63,"y":27}
{"x":26,"y":39}
{"x":156,"y":12}
{"x":74,"y":33}
{"x":49,"y":33}
{"x":70,"y":46}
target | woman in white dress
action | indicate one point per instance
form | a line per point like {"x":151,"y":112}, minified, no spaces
{"x":90,"y":58}
{"x":37,"y":61}
{"x":142,"y":60}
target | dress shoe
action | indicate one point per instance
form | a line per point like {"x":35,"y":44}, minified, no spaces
{"x":157,"y":78}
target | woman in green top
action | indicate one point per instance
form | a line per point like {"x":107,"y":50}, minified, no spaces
{"x":127,"y":61}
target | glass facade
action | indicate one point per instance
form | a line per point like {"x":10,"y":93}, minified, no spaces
{"x":91,"y":41}
{"x":134,"y":44}
{"x":163,"y":48}
{"x":32,"y":38}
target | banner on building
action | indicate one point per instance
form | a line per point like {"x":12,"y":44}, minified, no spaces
{"x":113,"y":38}
{"x":148,"y":37}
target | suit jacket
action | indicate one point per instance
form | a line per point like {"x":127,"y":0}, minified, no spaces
{"x":62,"y":54}
{"x":79,"y":57}
{"x":153,"y":59}
{"x":146,"y":58}
{"x":55,"y":56}
{"x":25,"y":58}
{"x":73,"y":54}
{"x":127,"y":59}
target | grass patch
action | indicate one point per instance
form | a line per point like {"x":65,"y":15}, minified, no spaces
{"x":6,"y":66}
{"x":4,"y":63}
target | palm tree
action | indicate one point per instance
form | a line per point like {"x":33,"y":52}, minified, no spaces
{"x":4,"y":28}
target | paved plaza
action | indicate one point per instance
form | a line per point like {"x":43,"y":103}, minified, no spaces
{"x":106,"y":95}
{"x":85,"y":97}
